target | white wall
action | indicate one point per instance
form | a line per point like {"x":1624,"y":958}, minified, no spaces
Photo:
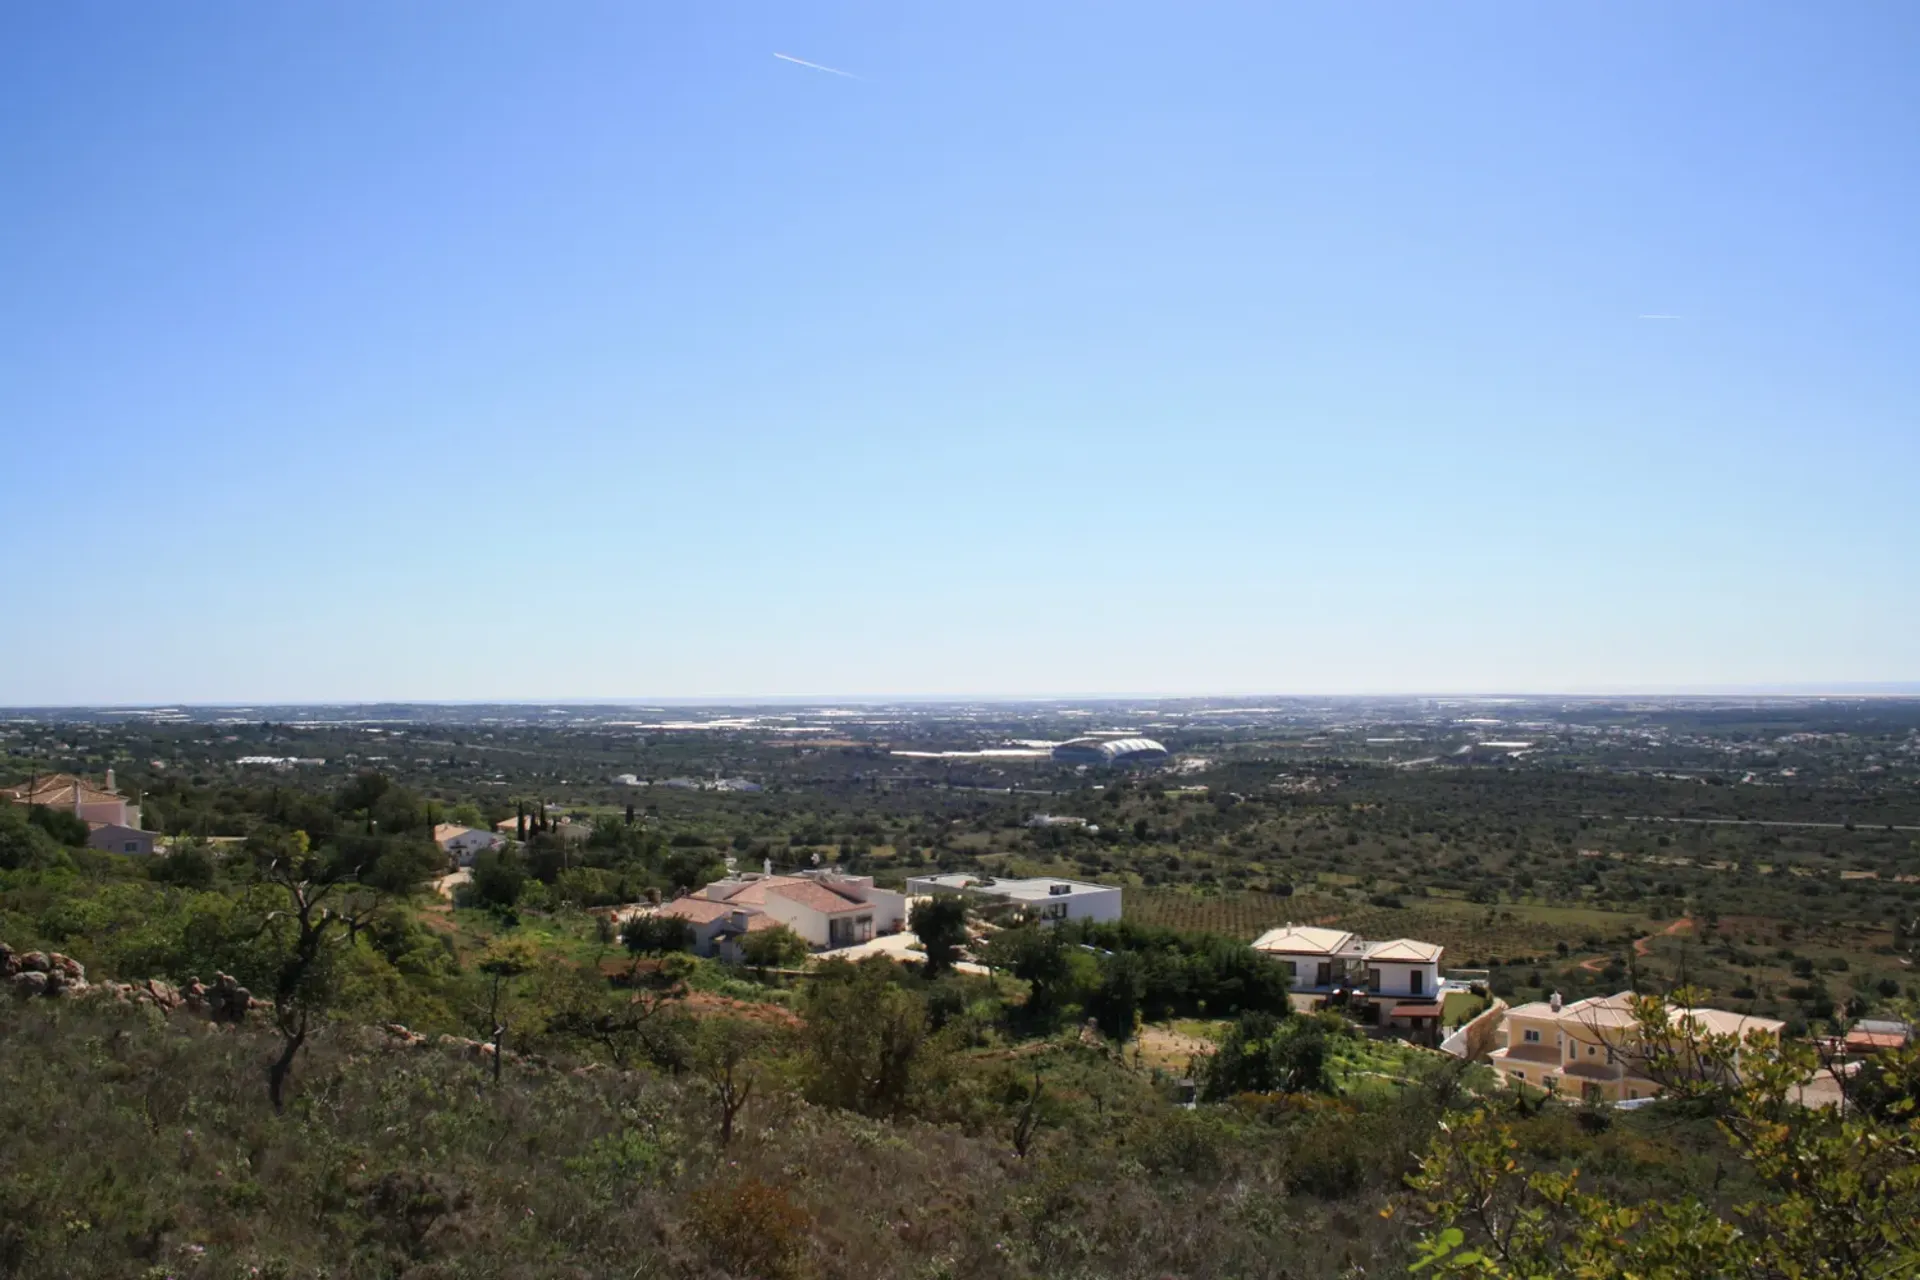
{"x":889,"y":909}
{"x":1103,"y":905}
{"x":1396,"y":977}
{"x":803,"y":920}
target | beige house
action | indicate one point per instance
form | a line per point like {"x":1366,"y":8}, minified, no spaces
{"x":91,"y":804}
{"x":1591,"y":1047}
{"x":825,"y":909}
{"x":115,"y":838}
{"x":464,"y":844}
{"x":1399,"y":978}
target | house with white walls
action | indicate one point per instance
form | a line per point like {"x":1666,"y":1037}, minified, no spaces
{"x":1399,"y":979}
{"x":1047,"y":899}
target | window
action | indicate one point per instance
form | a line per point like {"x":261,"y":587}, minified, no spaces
{"x":1530,"y":1036}
{"x":133,"y":846}
{"x":1373,"y":979}
{"x":1590,"y":1051}
{"x":1520,"y":1076}
{"x":1416,"y":982}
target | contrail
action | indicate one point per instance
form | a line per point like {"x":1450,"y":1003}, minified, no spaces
{"x":1658,"y":315}
{"x":832,"y":71}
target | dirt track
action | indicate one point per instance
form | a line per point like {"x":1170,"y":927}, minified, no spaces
{"x":1640,"y":948}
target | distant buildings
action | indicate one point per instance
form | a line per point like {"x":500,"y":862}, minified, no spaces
{"x":1110,"y":752}
{"x":1049,"y":900}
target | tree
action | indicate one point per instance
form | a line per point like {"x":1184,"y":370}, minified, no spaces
{"x":1262,"y":1053}
{"x":187,"y":864}
{"x":498,"y":877}
{"x":649,"y":933}
{"x":723,"y":1057}
{"x":868,"y":1047}
{"x":775,"y":948}
{"x":940,"y":922}
{"x":1044,"y":959}
{"x":24,"y":844}
{"x":302,"y":933}
{"x":638,"y":1021}
{"x":66,"y":828}
{"x":1115,"y":1003}
{"x":501,"y":966}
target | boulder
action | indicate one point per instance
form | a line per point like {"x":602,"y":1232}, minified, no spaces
{"x":35,"y":962}
{"x":227,"y":1000}
{"x":162,"y":995}
{"x":67,"y":966}
{"x":9,"y":962}
{"x":29,"y":983}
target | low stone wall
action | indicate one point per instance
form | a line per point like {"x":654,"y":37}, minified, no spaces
{"x":48,"y":975}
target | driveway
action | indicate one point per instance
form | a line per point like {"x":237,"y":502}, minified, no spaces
{"x":902,"y":947}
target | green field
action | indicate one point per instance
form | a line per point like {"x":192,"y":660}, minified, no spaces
{"x":1469,"y":931}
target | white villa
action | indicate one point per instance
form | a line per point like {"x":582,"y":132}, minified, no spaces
{"x":826,"y":909}
{"x":1049,"y":900}
{"x":1399,"y":978}
{"x":464,"y":844}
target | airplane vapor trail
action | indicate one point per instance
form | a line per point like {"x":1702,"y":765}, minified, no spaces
{"x":832,"y":71}
{"x":1657,"y":315}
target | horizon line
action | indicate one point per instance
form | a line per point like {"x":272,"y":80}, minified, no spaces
{"x":1807,"y":689}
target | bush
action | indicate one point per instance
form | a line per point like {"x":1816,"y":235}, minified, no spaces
{"x":187,"y":864}
{"x":66,"y":828}
{"x":649,"y":934}
{"x":498,"y":878}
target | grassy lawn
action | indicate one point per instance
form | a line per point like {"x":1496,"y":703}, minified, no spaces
{"x":1458,"y":1007}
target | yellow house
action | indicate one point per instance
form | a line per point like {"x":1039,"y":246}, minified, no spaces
{"x":1590,"y":1047}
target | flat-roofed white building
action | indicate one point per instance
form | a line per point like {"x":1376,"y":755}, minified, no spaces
{"x":1048,"y":900}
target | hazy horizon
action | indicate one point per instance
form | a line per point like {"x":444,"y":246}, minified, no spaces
{"x":1865,"y":689}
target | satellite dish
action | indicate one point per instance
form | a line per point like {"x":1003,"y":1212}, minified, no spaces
{"x":816,"y":857}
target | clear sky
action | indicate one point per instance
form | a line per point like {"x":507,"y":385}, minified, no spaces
{"x":483,"y":350}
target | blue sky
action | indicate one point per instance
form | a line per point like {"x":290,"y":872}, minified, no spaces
{"x":511,"y":350}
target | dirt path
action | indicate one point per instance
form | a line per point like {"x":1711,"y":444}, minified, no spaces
{"x":1640,"y":948}
{"x":1683,"y":925}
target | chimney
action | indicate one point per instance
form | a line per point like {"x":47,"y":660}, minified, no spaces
{"x":110,"y":787}
{"x":1554,"y":1000}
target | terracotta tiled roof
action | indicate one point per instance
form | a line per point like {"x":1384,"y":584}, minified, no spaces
{"x":698,"y":910}
{"x":1405,"y":949}
{"x":60,"y":789}
{"x":1302,"y":940}
{"x":754,"y":892}
{"x":808,"y":893}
